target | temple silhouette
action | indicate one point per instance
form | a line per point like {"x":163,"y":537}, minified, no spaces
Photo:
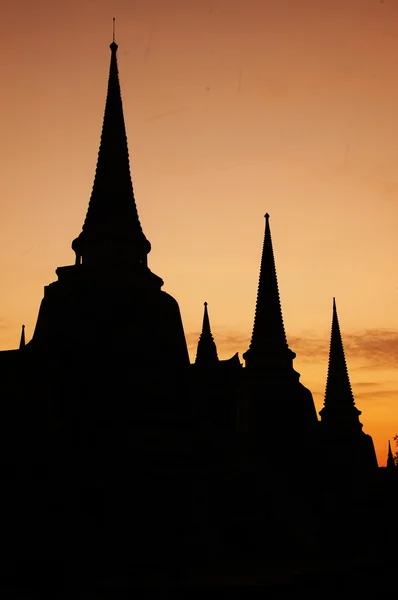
{"x":120,"y":459}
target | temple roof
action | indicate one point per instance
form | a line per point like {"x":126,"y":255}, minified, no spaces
{"x":206,"y":354}
{"x":268,"y":342}
{"x":112,"y":221}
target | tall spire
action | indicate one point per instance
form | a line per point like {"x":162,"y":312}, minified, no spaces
{"x":390,"y":458}
{"x":339,"y":401}
{"x":268,"y":345}
{"x":112,"y":231}
{"x":22,"y":340}
{"x":206,"y":354}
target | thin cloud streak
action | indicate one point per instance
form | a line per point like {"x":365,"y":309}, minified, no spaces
{"x":369,"y":349}
{"x":164,"y":114}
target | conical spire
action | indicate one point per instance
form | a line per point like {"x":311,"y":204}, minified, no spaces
{"x":268,"y":345}
{"x":339,"y":399}
{"x":390,"y":458}
{"x":207,"y":351}
{"x":112,"y":231}
{"x":22,"y":341}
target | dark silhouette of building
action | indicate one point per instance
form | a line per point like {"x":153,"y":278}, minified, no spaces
{"x":279,"y":399}
{"x":348,"y":447}
{"x":110,"y":298}
{"x":122,"y":462}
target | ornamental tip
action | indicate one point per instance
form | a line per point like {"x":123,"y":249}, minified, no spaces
{"x":113,"y":46}
{"x":266,"y":216}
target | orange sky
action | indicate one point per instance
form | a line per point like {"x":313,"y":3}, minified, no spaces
{"x":233,"y":108}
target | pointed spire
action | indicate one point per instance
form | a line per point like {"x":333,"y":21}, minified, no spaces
{"x":22,"y":341}
{"x":339,"y":401}
{"x":206,"y":354}
{"x":112,"y":231}
{"x":268,"y":345}
{"x":390,"y":458}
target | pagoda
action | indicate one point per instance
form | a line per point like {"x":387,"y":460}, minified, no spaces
{"x":279,"y":400}
{"x":347,"y":447}
{"x":109,"y":301}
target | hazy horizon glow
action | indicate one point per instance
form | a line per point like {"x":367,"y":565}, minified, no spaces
{"x":233,"y":108}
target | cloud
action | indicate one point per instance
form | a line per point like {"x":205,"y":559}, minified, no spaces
{"x":368,"y":349}
{"x":367,"y":352}
{"x":377,"y":346}
{"x":365,"y":387}
{"x":371,"y":348}
{"x":310,"y":346}
{"x":192,"y":338}
{"x":379,"y":395}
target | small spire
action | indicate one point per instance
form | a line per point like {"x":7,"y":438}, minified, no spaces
{"x":390,"y":457}
{"x":268,"y":343}
{"x":339,"y":404}
{"x":206,"y":353}
{"x":22,"y":341}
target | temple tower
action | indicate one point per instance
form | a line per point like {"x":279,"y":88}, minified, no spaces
{"x":206,"y":354}
{"x":347,"y":446}
{"x":109,"y":301}
{"x":269,"y":350}
{"x":112,"y":234}
{"x":280,"y":400}
{"x":281,"y":419}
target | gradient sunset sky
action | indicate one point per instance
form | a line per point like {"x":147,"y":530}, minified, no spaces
{"x":233,"y":108}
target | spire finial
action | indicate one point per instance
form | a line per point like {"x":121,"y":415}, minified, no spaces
{"x":114,"y":45}
{"x":266,"y":216}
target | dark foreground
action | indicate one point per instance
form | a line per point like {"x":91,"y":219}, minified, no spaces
{"x":232,"y":580}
